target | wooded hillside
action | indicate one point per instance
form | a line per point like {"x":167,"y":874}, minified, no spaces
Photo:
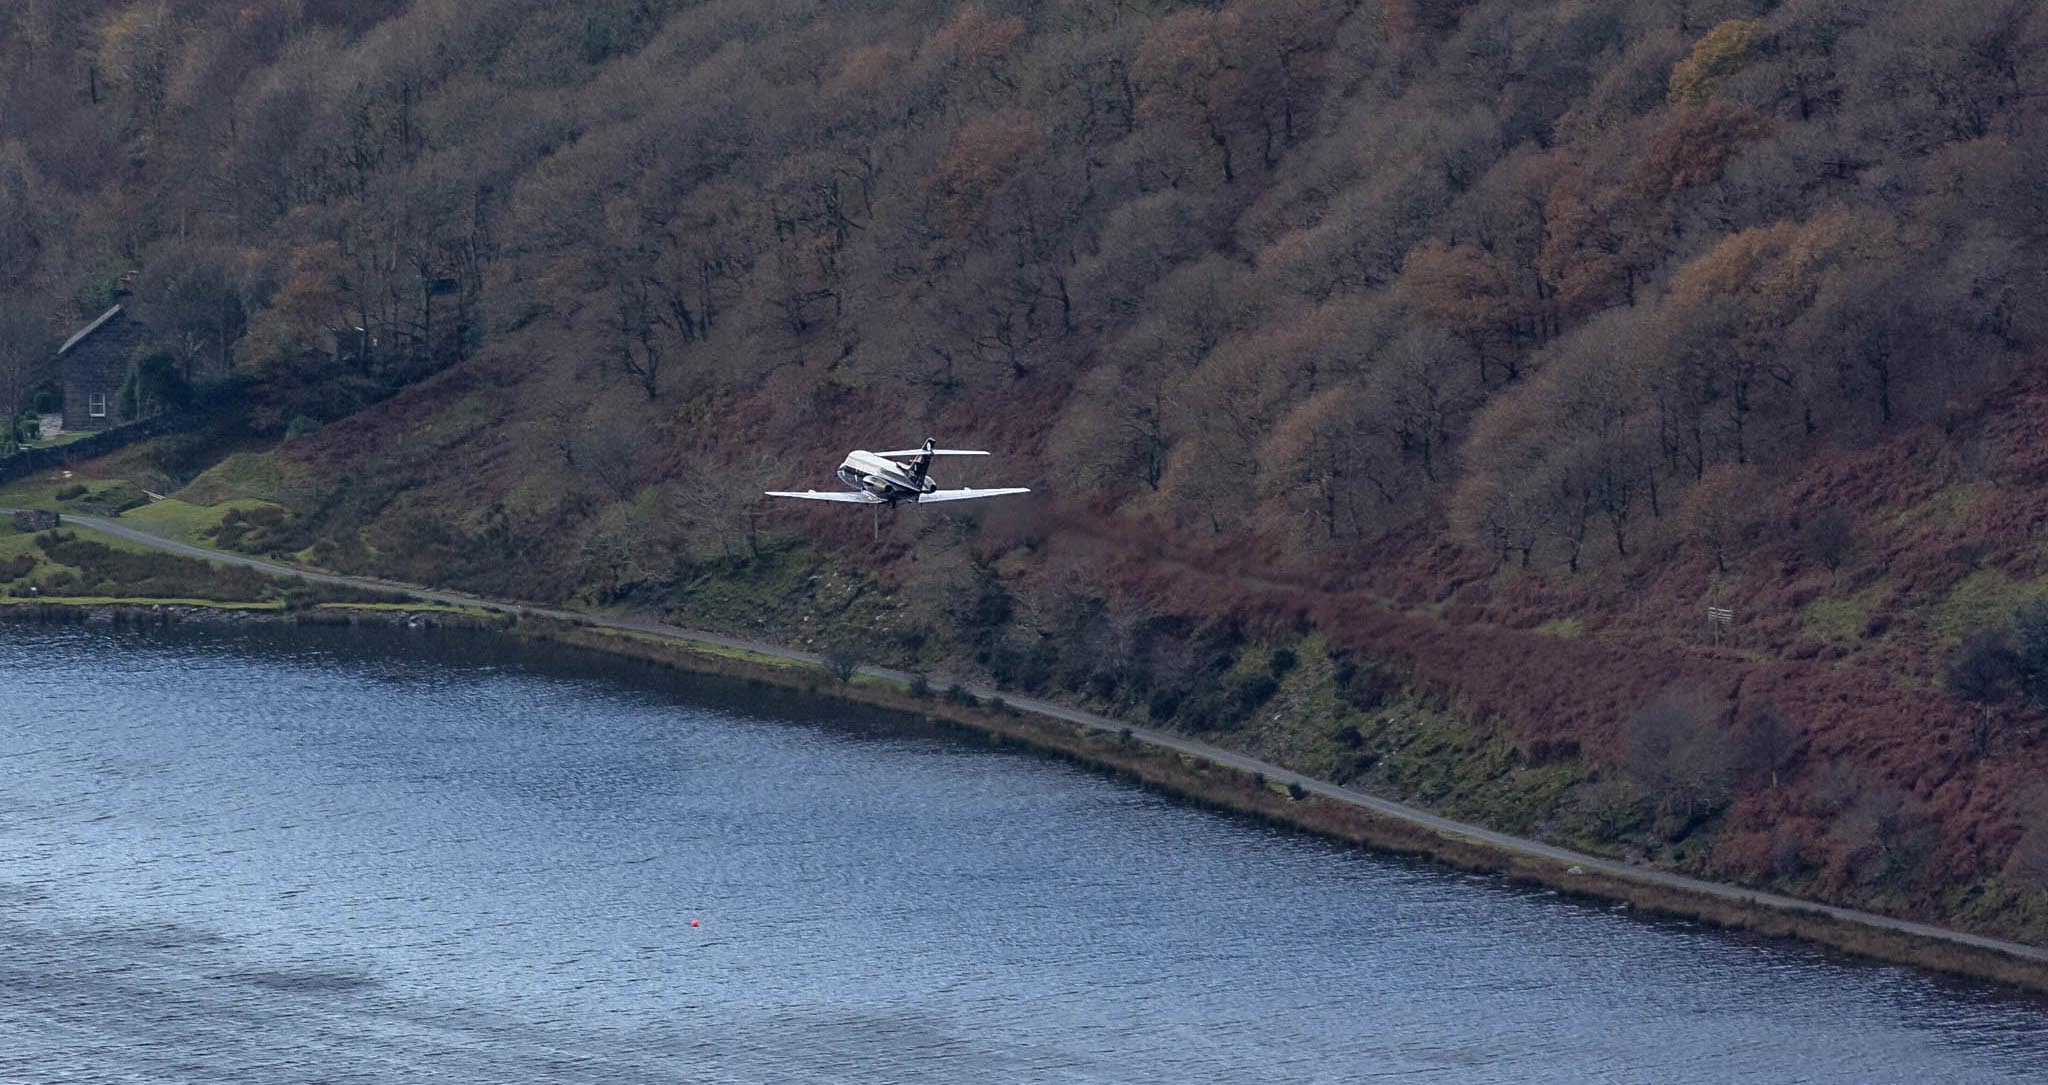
{"x":1462,"y":334}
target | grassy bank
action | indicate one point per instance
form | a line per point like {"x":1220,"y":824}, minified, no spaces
{"x":1187,"y":776}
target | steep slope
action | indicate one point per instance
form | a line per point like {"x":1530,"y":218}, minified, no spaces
{"x":1467,"y":352}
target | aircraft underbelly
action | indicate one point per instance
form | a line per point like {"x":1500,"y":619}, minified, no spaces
{"x":866,"y":471}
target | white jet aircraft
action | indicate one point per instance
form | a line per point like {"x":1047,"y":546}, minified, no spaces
{"x":878,"y":478}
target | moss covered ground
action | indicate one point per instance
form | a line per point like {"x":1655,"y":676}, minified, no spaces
{"x":176,"y":518}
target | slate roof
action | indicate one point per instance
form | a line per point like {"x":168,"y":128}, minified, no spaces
{"x":87,"y":330}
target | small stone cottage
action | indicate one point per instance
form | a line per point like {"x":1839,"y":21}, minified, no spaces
{"x":93,"y":364}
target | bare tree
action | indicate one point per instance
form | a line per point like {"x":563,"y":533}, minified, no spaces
{"x":1983,"y":670}
{"x":192,"y":296}
{"x":1721,"y":512}
{"x":1829,"y":537}
{"x":1887,"y":833}
{"x":1679,"y":754}
{"x":25,"y":352}
{"x":2029,"y":860}
{"x":1764,"y":746}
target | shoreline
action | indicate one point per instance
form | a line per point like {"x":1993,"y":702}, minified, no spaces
{"x":1189,"y":770}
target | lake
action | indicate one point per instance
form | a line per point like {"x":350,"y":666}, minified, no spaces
{"x":277,"y":854}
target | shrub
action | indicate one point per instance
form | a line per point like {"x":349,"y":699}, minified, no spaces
{"x":1679,"y":755}
{"x":154,"y":385}
{"x":1295,"y":791}
{"x":102,"y":570}
{"x":998,"y":706}
{"x":1283,"y":660}
{"x":1983,"y":668}
{"x":920,"y":686}
{"x":1608,"y":811}
{"x":1546,"y":751}
{"x":301,"y":426}
{"x":253,"y":530}
{"x":1887,"y":835}
{"x":1765,"y":746}
{"x":1364,"y":688}
{"x":1829,"y":537}
{"x":20,"y":565}
{"x":1254,"y":690}
{"x":1163,"y":704}
{"x":1202,"y":711}
{"x":113,"y":499}
{"x":842,"y":664}
{"x":957,"y":694}
{"x":67,"y":493}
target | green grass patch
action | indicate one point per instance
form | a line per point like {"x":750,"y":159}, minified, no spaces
{"x":60,"y":440}
{"x":176,"y":518}
{"x":1394,"y":740}
{"x":22,"y":560}
{"x":1439,"y":758}
{"x":33,"y":492}
{"x":106,"y":498}
{"x":1843,"y":619}
{"x":246,"y":477}
{"x":14,"y":542}
{"x":467,"y":416}
{"x":1946,"y":506}
{"x":69,"y":565}
{"x":414,"y":608}
{"x":784,"y":583}
{"x":2018,"y":908}
{"x":67,"y":492}
{"x":736,"y":593}
{"x":1254,"y":659}
{"x":1561,"y":627}
{"x":700,"y":647}
{"x":1982,"y":600}
{"x":140,"y":601}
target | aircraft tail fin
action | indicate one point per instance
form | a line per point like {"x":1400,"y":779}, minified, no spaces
{"x":920,"y":459}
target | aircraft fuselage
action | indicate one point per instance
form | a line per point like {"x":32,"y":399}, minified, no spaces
{"x":884,"y":478}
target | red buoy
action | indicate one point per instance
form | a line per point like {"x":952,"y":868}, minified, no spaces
{"x":693,"y":922}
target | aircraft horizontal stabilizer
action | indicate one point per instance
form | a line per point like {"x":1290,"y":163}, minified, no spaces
{"x":858,"y":497}
{"x":907,"y":453}
{"x":966,"y":495}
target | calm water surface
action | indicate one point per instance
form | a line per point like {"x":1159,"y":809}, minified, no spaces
{"x":293,"y":855}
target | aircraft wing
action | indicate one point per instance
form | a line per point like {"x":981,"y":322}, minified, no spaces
{"x":903,"y":454}
{"x":966,"y":495}
{"x":858,"y":497}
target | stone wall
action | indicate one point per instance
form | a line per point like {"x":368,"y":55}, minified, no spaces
{"x":28,"y":461}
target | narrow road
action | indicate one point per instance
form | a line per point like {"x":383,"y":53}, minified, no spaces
{"x":1385,"y":807}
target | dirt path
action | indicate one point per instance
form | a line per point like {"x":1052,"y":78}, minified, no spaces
{"x":1384,"y":807}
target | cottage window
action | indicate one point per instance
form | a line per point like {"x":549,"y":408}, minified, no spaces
{"x":96,"y":405}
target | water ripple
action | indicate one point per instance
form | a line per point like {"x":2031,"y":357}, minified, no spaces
{"x":287,"y":856}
